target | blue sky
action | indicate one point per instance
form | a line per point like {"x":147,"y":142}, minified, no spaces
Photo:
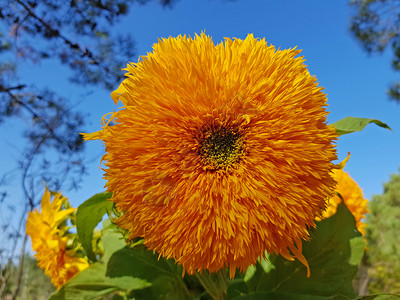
{"x":354,"y":82}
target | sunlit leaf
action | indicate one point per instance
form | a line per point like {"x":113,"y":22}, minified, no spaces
{"x":379,"y":297}
{"x":112,"y":240}
{"x":334,"y":252}
{"x":352,"y":124}
{"x":92,"y":283}
{"x":138,"y":262}
{"x":89,"y":214}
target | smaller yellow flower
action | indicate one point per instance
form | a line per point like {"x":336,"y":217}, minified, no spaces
{"x":352,"y":196}
{"x":51,"y":248}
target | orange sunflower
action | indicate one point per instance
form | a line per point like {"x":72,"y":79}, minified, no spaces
{"x":52,"y":253}
{"x":352,"y":196}
{"x":220,"y":153}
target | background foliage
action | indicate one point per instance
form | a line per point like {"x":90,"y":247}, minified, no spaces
{"x":376,"y":25}
{"x":383,"y":239}
{"x":35,"y":285}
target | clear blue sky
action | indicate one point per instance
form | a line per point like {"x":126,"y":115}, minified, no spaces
{"x":354,"y":82}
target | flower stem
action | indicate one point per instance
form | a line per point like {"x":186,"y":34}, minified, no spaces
{"x":215,"y":284}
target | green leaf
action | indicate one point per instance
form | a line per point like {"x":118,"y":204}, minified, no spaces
{"x":113,"y":240}
{"x":164,"y":275}
{"x":89,"y":214}
{"x":286,"y":296}
{"x":334,"y":252}
{"x":236,"y":287}
{"x":352,"y":124}
{"x":380,"y":297}
{"x":92,"y":283}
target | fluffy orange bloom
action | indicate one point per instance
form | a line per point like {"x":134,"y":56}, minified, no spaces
{"x":51,"y":249}
{"x":352,"y":196}
{"x":220,"y":152}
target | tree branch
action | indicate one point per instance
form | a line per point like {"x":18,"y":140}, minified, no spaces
{"x":11,"y":88}
{"x":48,"y":127}
{"x":57,"y":33}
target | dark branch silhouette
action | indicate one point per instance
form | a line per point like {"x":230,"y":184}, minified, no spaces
{"x":376,"y":25}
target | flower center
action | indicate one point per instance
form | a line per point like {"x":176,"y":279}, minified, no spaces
{"x":221,"y":148}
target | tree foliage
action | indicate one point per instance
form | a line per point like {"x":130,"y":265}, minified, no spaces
{"x":77,"y":33}
{"x":35,"y":284}
{"x":376,"y":25}
{"x":383,"y":227}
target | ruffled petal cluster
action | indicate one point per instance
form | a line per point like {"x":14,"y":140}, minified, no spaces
{"x":220,"y":153}
{"x":52,"y":253}
{"x":352,"y":196}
